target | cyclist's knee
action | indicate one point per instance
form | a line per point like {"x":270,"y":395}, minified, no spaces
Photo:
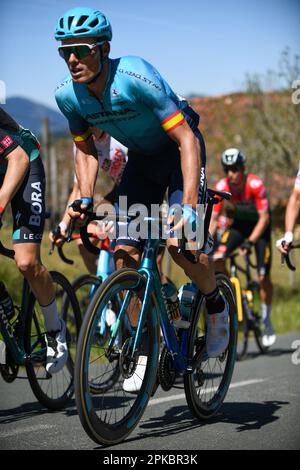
{"x":29,"y":266}
{"x":126,"y":256}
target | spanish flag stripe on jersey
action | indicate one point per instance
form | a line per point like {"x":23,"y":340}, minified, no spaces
{"x":81,"y":137}
{"x":172,"y":121}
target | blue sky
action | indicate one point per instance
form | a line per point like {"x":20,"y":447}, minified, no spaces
{"x":204,"y":47}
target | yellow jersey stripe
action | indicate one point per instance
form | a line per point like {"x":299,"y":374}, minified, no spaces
{"x":82,"y":137}
{"x":172,"y":121}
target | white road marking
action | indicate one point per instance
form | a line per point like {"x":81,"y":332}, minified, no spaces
{"x":180,"y":396}
{"x":28,"y":429}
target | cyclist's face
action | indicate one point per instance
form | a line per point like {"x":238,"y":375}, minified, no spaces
{"x":235,"y":176}
{"x":83,"y":70}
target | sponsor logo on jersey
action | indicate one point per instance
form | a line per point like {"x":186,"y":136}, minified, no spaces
{"x":140,"y":77}
{"x":110,"y":114}
{"x":6,"y":142}
{"x":36,"y":204}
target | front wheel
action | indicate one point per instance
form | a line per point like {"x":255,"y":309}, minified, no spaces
{"x":206,"y":387}
{"x":107,"y":411}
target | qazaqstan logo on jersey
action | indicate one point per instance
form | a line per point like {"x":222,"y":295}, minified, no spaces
{"x":113,"y":115}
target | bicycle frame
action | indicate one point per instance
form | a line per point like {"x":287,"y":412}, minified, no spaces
{"x":234,"y":268}
{"x":15,"y":348}
{"x":148,"y":268}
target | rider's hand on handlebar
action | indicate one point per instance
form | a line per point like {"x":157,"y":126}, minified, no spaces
{"x":284,"y":243}
{"x":246,"y":247}
{"x":80,"y":213}
{"x":58,"y":235}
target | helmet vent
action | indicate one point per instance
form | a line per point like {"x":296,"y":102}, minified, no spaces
{"x":82,"y":20}
{"x":70,"y":19}
{"x":94,"y":23}
{"x":61,"y":22}
{"x":82,"y":30}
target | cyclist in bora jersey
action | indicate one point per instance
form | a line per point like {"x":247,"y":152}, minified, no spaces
{"x":250,"y":227}
{"x":22,"y":183}
{"x":291,"y":216}
{"x":128,"y":98}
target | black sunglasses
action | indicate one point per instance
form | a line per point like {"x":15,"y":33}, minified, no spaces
{"x":234,"y":169}
{"x":79,"y":50}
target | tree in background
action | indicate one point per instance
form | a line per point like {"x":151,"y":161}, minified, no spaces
{"x":272,"y":124}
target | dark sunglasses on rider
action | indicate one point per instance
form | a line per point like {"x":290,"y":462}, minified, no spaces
{"x":234,"y":169}
{"x":79,"y":50}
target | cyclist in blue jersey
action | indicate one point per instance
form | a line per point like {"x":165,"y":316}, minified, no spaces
{"x":128,"y":99}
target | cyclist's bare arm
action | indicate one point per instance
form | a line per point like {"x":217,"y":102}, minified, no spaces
{"x":86,"y":168}
{"x":190,"y":161}
{"x":291,"y":215}
{"x":17,"y":166}
{"x":75,"y":194}
{"x":292,"y":211}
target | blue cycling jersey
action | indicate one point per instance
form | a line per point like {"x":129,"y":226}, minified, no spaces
{"x":137,"y":106}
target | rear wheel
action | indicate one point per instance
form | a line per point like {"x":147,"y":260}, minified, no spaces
{"x":207,"y":386}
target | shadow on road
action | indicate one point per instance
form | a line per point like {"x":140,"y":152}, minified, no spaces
{"x":276,"y":352}
{"x":178,"y":419}
{"x":29,"y":410}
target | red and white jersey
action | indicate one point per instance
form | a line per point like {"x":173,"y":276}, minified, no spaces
{"x":297,"y":181}
{"x":112,"y":156}
{"x":251,"y":201}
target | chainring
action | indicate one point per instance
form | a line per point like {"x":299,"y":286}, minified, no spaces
{"x":166,"y":370}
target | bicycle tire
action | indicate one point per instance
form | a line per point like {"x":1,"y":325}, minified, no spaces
{"x":207,"y":409}
{"x":84,"y":281}
{"x":257,"y":327}
{"x":243,"y":329}
{"x":60,"y":385}
{"x":96,"y":413}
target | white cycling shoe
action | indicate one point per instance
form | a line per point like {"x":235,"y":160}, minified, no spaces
{"x":269,"y":337}
{"x":134,"y":383}
{"x":217,"y":335}
{"x":57,"y":350}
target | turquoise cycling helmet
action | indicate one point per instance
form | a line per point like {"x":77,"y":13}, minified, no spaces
{"x":83,"y":22}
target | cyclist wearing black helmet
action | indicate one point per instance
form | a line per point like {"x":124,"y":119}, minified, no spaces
{"x":249,"y":212}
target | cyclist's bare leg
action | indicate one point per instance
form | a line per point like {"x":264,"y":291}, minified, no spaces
{"x":202,"y":273}
{"x":90,"y":260}
{"x":266,"y":289}
{"x":159,"y":260}
{"x":28,"y":260}
{"x":220,"y":266}
{"x":129,"y":256}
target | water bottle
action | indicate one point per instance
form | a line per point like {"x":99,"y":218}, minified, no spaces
{"x":187,"y":296}
{"x":249,"y":296}
{"x":171,"y":295}
{"x":6,"y":304}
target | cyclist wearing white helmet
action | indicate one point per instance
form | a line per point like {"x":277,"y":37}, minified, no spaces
{"x":249,"y":212}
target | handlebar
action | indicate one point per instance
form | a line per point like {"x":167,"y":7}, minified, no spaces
{"x":286,"y":258}
{"x":214,"y":197}
{"x":6,"y":251}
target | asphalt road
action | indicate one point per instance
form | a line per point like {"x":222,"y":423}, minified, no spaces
{"x":261,"y":411}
